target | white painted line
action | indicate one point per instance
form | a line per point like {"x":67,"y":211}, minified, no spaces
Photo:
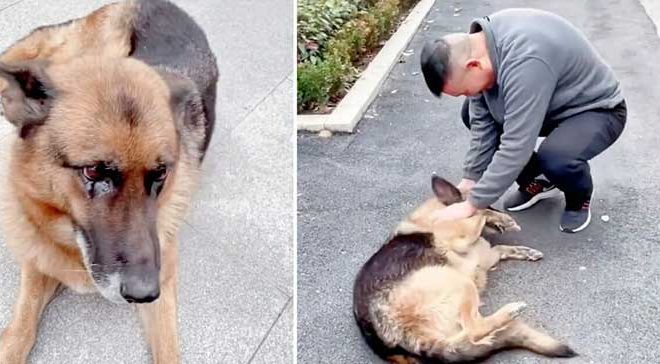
{"x":652,"y":8}
{"x":350,"y":109}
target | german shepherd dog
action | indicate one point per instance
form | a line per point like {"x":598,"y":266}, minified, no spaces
{"x":417,"y":299}
{"x":113,"y":115}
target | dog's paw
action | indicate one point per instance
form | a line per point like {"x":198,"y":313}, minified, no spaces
{"x":501,"y":221}
{"x":515,"y":309}
{"x":533,"y":254}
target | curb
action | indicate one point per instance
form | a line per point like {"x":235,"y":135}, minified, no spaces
{"x":350,"y":109}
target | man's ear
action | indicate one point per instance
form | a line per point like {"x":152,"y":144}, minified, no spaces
{"x":472,"y":63}
{"x":26,"y":94}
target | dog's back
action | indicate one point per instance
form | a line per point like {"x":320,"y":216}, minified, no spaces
{"x":400,"y":256}
{"x":168,"y":39}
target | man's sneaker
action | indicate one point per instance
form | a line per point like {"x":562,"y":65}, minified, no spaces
{"x":573,"y":221}
{"x":527,"y":196}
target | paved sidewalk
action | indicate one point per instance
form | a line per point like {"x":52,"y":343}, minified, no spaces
{"x":597,"y":290}
{"x":235,"y":287}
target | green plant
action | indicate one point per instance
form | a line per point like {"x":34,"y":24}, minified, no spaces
{"x":331,"y":43}
{"x":318,"y":21}
{"x":318,"y":82}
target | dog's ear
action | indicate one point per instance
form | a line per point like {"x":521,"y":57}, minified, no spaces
{"x":188,"y":111}
{"x":26,"y":94}
{"x":446,"y":192}
{"x":185,"y":101}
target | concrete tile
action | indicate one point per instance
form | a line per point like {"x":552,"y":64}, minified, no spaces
{"x":249,"y":205}
{"x":225,"y":309}
{"x":253,"y":40}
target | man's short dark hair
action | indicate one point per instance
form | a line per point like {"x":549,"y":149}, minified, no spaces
{"x":435,"y":64}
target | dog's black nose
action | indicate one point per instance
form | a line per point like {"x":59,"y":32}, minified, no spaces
{"x":140,"y":288}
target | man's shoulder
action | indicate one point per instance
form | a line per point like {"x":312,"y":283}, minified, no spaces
{"x":524,"y":13}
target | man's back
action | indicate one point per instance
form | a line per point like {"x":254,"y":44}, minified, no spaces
{"x":583,"y":80}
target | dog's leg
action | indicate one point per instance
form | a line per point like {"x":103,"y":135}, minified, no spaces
{"x":500,"y":221}
{"x":159,"y":317}
{"x":517,"y":252}
{"x":35,"y":291}
{"x":477,"y":327}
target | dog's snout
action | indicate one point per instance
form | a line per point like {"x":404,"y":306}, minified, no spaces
{"x":140,"y":285}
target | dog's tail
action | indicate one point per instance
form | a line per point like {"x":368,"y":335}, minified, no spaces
{"x":519,"y":335}
{"x":515,"y":335}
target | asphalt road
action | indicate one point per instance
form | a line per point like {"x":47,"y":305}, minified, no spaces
{"x":236,"y":255}
{"x":597,"y":290}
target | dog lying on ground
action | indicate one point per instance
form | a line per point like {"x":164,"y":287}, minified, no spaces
{"x":417,"y":299}
{"x":113,"y":112}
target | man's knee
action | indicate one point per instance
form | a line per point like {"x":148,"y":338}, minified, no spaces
{"x":555,"y":164}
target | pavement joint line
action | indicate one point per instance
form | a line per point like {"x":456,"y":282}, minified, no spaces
{"x":263,"y":340}
{"x":363,"y":92}
{"x":10,"y":5}
{"x":258,"y":103}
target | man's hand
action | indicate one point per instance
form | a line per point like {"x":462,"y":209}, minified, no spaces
{"x":465,"y":186}
{"x":457,"y":211}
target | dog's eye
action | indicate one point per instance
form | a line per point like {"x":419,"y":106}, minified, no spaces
{"x":155,"y":179}
{"x":99,"y":179}
{"x":160,"y":174}
{"x":95,"y":173}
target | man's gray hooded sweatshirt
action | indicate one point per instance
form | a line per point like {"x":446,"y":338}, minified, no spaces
{"x":546,"y":70}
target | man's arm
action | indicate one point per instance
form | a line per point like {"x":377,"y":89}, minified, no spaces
{"x":527,"y":88}
{"x":483,"y":141}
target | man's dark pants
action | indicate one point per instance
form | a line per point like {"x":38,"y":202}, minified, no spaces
{"x":568,"y":146}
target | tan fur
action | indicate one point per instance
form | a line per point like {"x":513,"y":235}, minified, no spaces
{"x":85,"y":63}
{"x":104,"y":32}
{"x":436,"y":308}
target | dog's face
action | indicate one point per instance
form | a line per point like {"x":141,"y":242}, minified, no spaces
{"x":99,"y":140}
{"x":423,"y":217}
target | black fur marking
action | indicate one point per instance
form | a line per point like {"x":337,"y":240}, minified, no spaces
{"x":129,"y":109}
{"x":27,"y":131}
{"x":402,"y":255}
{"x":564,"y":351}
{"x":31,"y":86}
{"x":28,"y":96}
{"x":167,"y":38}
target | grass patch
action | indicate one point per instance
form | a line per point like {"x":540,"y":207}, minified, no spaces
{"x":334,"y":39}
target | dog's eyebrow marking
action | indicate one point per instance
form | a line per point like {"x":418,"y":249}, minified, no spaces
{"x":128,"y":108}
{"x":55,"y":150}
